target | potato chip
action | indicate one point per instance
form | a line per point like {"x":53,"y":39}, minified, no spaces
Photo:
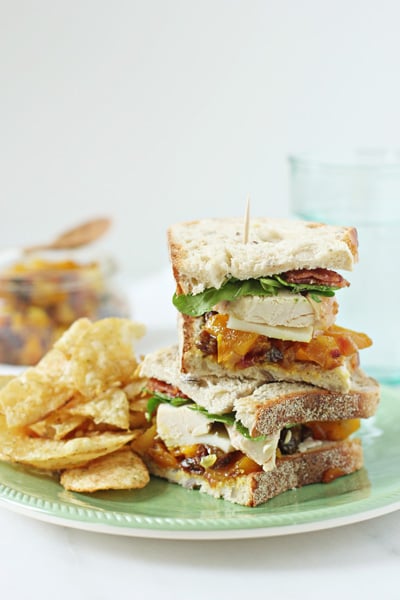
{"x":89,"y":357}
{"x":120,"y":470}
{"x":72,"y":336}
{"x":104,"y":356}
{"x":32,"y":396}
{"x":57,"y":454}
{"x":137,"y":419}
{"x":110,"y":408}
{"x":57,"y":425}
{"x":138,"y":410}
{"x":62,"y":414}
{"x":135,"y":387}
{"x":139,"y":404}
{"x":4,"y":379}
{"x":4,"y":434}
{"x":54,"y":365}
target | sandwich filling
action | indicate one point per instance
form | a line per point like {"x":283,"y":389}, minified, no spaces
{"x":185,"y":436}
{"x":282,"y":319}
{"x":317,"y":282}
{"x":238,"y":349}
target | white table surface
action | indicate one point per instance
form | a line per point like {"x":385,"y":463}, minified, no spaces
{"x":42,"y":560}
{"x":39,"y":560}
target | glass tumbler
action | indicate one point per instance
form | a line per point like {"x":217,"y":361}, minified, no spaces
{"x":361,"y":190}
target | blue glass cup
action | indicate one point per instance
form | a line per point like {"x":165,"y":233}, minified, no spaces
{"x":362,"y":190}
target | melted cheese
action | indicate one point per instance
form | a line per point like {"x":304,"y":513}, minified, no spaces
{"x":286,"y":316}
{"x":297,"y":334}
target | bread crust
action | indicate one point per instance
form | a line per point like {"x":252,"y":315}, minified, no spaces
{"x":275,"y":405}
{"x":205,"y":253}
{"x":291,"y":472}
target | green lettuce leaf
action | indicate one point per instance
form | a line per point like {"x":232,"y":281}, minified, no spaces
{"x":196,"y":305}
{"x":158,"y":398}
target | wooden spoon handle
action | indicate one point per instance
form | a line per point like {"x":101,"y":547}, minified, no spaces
{"x":76,"y":237}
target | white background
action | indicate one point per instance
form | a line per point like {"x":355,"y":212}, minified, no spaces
{"x":155,"y":111}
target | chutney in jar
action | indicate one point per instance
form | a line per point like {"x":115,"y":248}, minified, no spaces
{"x":40,"y":298}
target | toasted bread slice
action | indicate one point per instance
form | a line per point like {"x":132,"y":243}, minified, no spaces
{"x":205,"y":253}
{"x":273,"y":405}
{"x":266,"y":407}
{"x":322,"y":464}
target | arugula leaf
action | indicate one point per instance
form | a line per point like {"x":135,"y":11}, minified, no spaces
{"x":228,"y":418}
{"x":196,"y":305}
{"x":296,"y":288}
{"x":158,"y":398}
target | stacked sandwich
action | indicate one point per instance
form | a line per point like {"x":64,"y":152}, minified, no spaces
{"x":264,"y":390}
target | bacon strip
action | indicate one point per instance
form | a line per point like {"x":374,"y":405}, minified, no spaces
{"x":155,"y":385}
{"x":315,"y":277}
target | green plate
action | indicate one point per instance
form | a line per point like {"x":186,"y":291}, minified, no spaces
{"x":164,"y":510}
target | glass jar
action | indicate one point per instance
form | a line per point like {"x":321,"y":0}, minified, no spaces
{"x":42,"y":295}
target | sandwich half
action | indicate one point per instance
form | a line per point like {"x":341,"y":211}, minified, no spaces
{"x":246,"y":441}
{"x":264,"y":308}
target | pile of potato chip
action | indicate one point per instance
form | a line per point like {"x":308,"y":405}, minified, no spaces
{"x":77,"y":411}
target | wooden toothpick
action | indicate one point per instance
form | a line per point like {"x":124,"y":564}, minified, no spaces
{"x":246,"y":221}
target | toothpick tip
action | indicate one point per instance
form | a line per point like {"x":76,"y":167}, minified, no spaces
{"x":246,"y":221}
